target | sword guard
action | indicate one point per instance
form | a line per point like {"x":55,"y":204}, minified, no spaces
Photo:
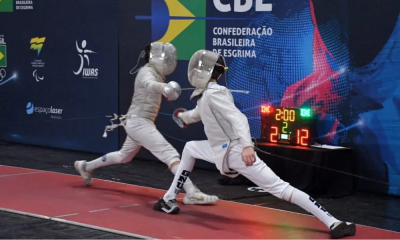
{"x":177,"y":119}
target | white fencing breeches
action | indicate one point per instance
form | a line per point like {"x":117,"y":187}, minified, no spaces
{"x":259,"y":173}
{"x":141,"y":132}
{"x":144,"y":133}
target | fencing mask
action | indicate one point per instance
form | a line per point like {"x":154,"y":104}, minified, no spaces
{"x":201,"y":68}
{"x":163,"y":57}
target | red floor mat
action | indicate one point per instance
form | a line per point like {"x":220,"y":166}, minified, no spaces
{"x":128,"y":208}
{"x":6,"y":171}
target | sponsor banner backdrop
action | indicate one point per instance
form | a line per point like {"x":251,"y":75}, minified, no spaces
{"x":296,"y":53}
{"x":60,"y":60}
{"x":59,"y":72}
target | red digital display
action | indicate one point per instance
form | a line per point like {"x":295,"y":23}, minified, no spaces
{"x":274,"y":134}
{"x":286,"y":125}
{"x":266,"y":109}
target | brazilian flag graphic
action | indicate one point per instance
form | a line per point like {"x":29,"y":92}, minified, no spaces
{"x":3,"y":56}
{"x":180,"y":22}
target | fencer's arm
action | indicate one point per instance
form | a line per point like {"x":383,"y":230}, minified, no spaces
{"x":222,"y":102}
{"x":151,"y":84}
{"x":191,"y":116}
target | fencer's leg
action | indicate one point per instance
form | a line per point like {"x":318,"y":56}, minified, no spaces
{"x":182,"y":174}
{"x":192,"y":150}
{"x":199,"y":150}
{"x":265,"y":178}
{"x":151,"y":139}
{"x":189,"y":186}
{"x":168,"y":203}
{"x":193,"y":194}
{"x":164,"y":151}
{"x":338,"y":229}
{"x":125,"y":155}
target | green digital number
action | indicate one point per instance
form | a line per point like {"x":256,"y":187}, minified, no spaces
{"x":285,"y":127}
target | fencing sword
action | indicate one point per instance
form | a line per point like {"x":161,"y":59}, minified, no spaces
{"x":238,"y":91}
{"x":179,"y":121}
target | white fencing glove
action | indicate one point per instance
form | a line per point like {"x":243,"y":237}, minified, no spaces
{"x":172,"y":91}
{"x":177,"y":117}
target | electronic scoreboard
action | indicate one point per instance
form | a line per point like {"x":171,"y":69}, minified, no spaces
{"x":286,"y":125}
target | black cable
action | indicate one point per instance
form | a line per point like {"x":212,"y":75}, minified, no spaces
{"x":54,"y":120}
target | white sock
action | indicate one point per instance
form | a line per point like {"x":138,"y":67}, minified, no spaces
{"x":106,"y":160}
{"x":181,"y":176}
{"x":306,"y":202}
{"x":188,"y":186}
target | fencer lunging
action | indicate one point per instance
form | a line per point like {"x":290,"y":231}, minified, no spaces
{"x":161,"y":61}
{"x":229,"y":144}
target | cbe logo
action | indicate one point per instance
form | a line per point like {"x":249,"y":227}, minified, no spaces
{"x":239,"y":7}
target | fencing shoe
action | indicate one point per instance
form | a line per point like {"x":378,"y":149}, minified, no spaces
{"x":170,"y":206}
{"x":86,"y":176}
{"x":342,"y":229}
{"x":197,"y":197}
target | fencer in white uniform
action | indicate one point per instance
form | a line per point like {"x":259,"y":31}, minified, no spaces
{"x":161,"y":61}
{"x":229,"y":145}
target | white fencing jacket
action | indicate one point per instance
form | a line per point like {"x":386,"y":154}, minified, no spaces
{"x":224,"y":124}
{"x":146,"y":100}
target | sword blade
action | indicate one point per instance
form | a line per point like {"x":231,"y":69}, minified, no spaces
{"x":238,"y":91}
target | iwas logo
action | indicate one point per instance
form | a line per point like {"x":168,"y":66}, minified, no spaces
{"x":83,"y":54}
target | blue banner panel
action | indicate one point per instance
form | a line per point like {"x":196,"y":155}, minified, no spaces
{"x":61,"y":77}
{"x":369,"y":118}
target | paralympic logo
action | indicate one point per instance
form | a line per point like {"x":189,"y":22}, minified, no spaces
{"x":183,"y":22}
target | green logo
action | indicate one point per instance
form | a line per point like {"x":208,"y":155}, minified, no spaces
{"x":6,"y":5}
{"x":3,"y":55}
